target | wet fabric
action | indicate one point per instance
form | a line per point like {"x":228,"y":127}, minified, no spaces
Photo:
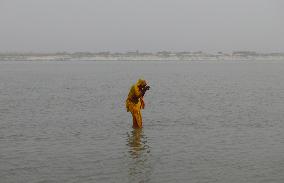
{"x":134,"y":103}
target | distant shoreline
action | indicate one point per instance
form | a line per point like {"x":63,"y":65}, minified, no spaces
{"x":137,"y":56}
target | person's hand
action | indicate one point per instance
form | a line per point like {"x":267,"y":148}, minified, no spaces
{"x":142,"y":104}
{"x":144,"y":89}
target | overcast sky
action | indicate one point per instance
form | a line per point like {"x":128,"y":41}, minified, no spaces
{"x":146,"y":25}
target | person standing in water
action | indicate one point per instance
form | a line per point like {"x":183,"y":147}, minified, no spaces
{"x":134,"y":102}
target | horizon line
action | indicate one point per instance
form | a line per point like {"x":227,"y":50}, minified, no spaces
{"x":131,"y":51}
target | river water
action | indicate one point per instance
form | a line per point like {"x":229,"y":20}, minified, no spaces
{"x":203,"y":122}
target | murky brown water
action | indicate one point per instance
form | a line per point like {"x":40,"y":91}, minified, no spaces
{"x":203,"y":122}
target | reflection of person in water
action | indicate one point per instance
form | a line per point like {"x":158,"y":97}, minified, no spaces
{"x":135,"y":143}
{"x":135,"y":102}
{"x":140,"y":168}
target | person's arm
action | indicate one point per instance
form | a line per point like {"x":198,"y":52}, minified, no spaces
{"x":137,"y":92}
{"x":142,"y":103}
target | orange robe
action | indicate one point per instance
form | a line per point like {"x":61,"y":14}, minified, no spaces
{"x":134,"y":104}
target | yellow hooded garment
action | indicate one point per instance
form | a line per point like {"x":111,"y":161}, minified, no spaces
{"x":134,"y":103}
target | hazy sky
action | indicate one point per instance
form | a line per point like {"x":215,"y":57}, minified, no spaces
{"x":146,"y":25}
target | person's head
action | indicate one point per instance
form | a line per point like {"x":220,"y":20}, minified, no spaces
{"x":141,"y":83}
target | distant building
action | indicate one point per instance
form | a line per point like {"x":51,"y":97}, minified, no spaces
{"x":133,"y":53}
{"x":164,"y":53}
{"x":244,"y":53}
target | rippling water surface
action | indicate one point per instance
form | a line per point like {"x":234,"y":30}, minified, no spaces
{"x":203,"y":122}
